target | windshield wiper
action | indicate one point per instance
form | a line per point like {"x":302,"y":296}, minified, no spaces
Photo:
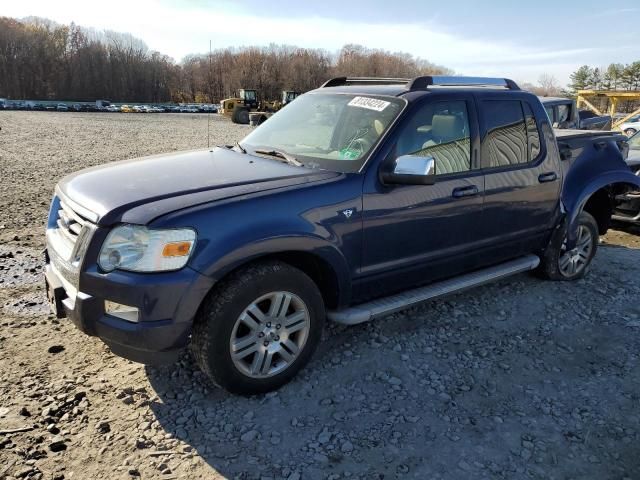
{"x":242,"y":149}
{"x":290,"y":159}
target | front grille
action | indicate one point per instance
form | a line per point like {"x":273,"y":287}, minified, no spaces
{"x":68,"y":235}
{"x":69,"y":223}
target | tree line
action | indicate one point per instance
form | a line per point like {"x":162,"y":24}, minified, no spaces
{"x":614,"y":77}
{"x":40,"y":59}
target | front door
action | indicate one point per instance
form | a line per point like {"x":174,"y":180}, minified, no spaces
{"x":413,"y":234}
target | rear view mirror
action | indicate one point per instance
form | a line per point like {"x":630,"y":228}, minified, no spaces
{"x":412,"y":170}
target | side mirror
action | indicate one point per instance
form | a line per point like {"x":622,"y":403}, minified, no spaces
{"x":411,"y":170}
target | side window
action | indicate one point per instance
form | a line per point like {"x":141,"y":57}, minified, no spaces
{"x":439,"y":130}
{"x":549,"y":110}
{"x":563,"y":113}
{"x":533,"y":136}
{"x":506,"y":139}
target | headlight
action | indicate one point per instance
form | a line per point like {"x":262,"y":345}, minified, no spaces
{"x":140,"y":249}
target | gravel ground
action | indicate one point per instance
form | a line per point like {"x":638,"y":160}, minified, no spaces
{"x":519,"y":379}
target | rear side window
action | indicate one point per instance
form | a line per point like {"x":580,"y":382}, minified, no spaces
{"x":505,"y":143}
{"x":533,"y":136}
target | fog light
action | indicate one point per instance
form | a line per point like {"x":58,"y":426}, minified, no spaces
{"x":125,"y":312}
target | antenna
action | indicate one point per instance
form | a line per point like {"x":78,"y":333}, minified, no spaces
{"x":210,"y":100}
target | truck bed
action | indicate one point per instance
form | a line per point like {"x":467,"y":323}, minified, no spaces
{"x":562,"y":134}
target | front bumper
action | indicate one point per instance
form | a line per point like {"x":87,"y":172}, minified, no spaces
{"x":167,"y":304}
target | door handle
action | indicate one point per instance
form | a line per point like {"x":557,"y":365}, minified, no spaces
{"x":547,"y":177}
{"x":469,"y":191}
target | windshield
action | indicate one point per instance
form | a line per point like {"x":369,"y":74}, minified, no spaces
{"x":327,"y":130}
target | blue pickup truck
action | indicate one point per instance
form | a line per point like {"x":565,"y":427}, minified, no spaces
{"x":361,"y":198}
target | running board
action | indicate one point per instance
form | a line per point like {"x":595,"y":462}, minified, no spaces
{"x":387,"y":305}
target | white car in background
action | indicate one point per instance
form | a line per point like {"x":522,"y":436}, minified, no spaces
{"x":631,"y":126}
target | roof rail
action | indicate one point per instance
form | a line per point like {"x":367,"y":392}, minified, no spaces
{"x":339,"y":81}
{"x":422,"y":83}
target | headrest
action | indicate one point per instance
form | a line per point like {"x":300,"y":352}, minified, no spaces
{"x":446,"y":127}
{"x":378,"y":126}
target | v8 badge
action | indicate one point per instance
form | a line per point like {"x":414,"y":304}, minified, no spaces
{"x":348,"y":212}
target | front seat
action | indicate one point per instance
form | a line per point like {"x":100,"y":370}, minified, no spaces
{"x":449,"y":144}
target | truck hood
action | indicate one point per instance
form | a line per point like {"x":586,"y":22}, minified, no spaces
{"x":142,"y":189}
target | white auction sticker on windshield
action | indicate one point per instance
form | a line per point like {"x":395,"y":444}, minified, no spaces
{"x":370,"y":103}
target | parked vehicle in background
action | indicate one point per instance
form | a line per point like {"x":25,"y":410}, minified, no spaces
{"x":113,"y":108}
{"x":633,"y":159}
{"x":628,"y":204}
{"x":246,"y":108}
{"x":360,"y":198}
{"x":19,"y":105}
{"x":591,"y":121}
{"x":631,"y":126}
{"x":126,"y":109}
{"x":289,"y":96}
{"x":563,"y":113}
{"x":76,"y":107}
{"x":3,"y":102}
{"x":62,"y":107}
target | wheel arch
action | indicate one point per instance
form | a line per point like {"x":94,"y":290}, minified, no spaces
{"x":597,"y":198}
{"x":322,"y":262}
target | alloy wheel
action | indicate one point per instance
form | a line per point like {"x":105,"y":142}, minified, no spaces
{"x":572,"y":262}
{"x":269,"y":334}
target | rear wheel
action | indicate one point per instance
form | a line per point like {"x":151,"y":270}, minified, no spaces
{"x":259,"y":328}
{"x":561,"y":263}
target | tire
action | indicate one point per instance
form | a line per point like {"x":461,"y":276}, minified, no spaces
{"x":629,"y":131}
{"x":557,"y":264}
{"x":229,"y":315}
{"x":240,"y":115}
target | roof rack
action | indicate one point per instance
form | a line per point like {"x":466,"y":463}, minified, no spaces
{"x":339,"y":81}
{"x":424,"y":82}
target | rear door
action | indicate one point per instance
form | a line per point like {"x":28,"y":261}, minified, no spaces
{"x":522,"y":176}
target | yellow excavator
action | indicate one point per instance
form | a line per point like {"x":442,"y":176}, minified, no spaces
{"x":246,"y":109}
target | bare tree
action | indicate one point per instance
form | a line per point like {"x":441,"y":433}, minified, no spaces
{"x":40,"y":59}
{"x":548,"y":86}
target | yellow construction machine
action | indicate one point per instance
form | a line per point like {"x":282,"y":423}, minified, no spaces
{"x":245,"y":108}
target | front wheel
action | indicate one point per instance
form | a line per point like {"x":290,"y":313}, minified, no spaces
{"x":259,"y":328}
{"x":561,"y":263}
{"x":629,"y":132}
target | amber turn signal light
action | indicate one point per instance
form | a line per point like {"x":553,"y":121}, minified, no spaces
{"x":176,"y":249}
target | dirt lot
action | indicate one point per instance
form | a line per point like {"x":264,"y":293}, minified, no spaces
{"x":520,"y":379}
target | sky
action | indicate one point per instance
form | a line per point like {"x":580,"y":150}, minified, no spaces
{"x":499,"y":38}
